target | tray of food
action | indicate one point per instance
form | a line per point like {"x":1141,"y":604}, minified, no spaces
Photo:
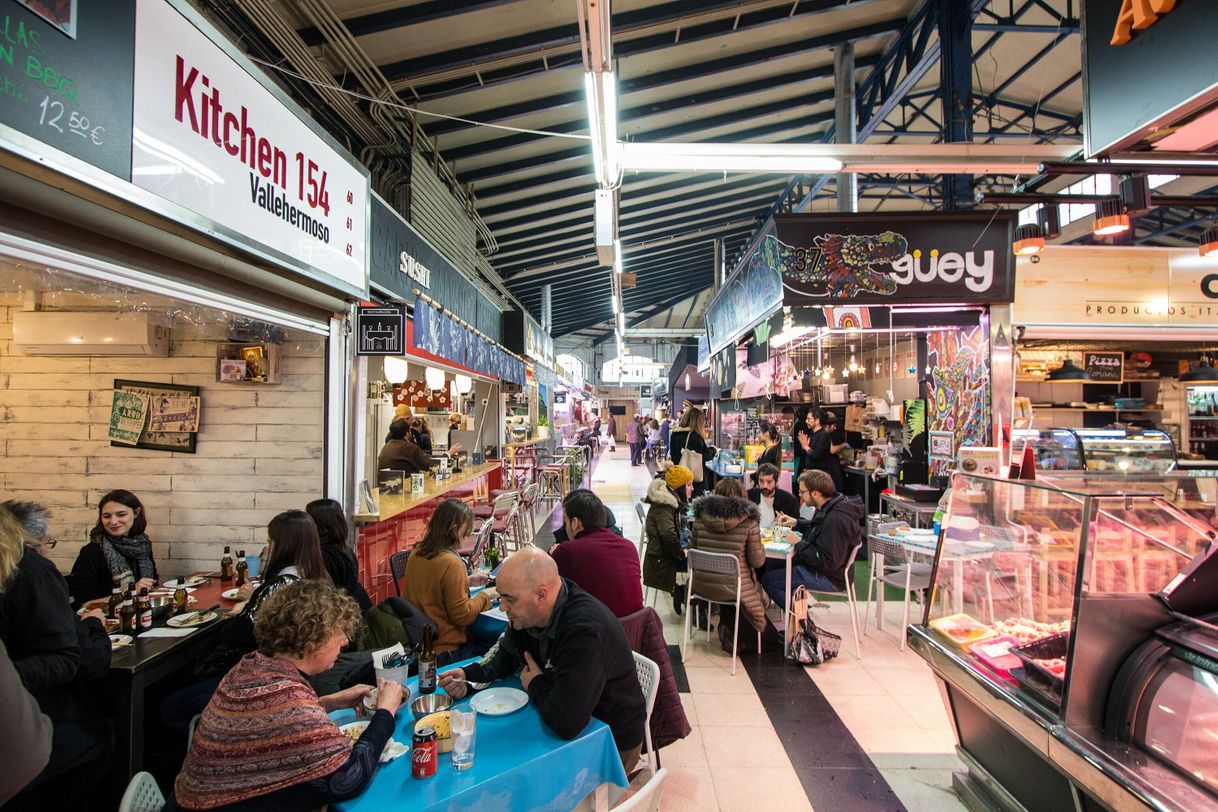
{"x":1044,"y":667}
{"x":996,"y":654}
{"x":962,"y":630}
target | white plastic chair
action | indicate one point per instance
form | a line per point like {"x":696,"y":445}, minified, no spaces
{"x":851,"y":599}
{"x":649,"y":680}
{"x":898,"y":571}
{"x":716,"y":564}
{"x":647,"y":799}
{"x":142,"y":795}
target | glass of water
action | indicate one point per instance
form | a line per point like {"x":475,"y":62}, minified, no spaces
{"x":464,"y":723}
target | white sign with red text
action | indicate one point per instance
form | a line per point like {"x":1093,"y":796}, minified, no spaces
{"x":213,"y":139}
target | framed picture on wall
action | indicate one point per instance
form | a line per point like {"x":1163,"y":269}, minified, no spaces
{"x":172,"y":394}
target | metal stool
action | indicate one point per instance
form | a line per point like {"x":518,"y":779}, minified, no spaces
{"x":551,"y":478}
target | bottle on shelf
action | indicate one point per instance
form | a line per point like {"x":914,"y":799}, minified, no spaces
{"x":242,"y":568}
{"x":427,"y":664}
{"x":226,"y":565}
{"x":143,"y":610}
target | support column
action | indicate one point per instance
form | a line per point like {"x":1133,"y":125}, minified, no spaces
{"x":844,"y":122}
{"x":956,"y":82}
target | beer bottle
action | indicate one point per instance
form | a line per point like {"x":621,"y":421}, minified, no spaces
{"x":116,"y":598}
{"x":427,"y":664}
{"x":179,"y":601}
{"x":126,"y":614}
{"x":242,"y":568}
{"x":143,"y":610}
{"x":226,"y":566}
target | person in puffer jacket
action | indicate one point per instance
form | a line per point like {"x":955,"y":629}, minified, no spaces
{"x":726,"y":522}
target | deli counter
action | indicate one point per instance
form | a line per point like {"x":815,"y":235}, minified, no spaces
{"x":1069,"y":629}
{"x":1117,"y":451}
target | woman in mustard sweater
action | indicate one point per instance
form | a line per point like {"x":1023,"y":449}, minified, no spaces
{"x":436,"y":581}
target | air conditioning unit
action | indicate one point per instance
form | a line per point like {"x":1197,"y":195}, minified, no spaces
{"x":42,"y":332}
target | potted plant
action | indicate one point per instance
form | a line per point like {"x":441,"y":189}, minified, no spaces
{"x":543,"y":428}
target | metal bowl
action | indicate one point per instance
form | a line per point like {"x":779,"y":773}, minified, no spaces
{"x":162,"y":606}
{"x":426,"y":704}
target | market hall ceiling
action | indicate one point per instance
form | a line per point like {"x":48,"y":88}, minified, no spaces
{"x":691,"y":70}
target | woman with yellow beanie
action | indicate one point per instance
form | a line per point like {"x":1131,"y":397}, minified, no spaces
{"x":667,"y":498}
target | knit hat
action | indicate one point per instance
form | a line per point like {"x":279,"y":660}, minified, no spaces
{"x":678,"y":476}
{"x":402,"y":411}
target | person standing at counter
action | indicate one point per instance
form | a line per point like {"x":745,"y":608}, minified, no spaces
{"x":420,"y":433}
{"x":818,"y":451}
{"x":772,"y":440}
{"x":401,"y":453}
{"x":689,"y":435}
{"x":800,"y":435}
{"x":118,"y":552}
{"x":633,"y":439}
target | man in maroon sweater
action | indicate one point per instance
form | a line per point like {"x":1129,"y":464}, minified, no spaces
{"x":599,"y":561}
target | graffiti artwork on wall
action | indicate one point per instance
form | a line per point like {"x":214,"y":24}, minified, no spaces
{"x":959,"y":397}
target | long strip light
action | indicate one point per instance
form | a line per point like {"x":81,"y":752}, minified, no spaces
{"x":600,"y":91}
{"x":703,"y":157}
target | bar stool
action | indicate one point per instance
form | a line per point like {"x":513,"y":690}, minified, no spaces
{"x":499,"y":508}
{"x":528,"y":509}
{"x":550,"y":477}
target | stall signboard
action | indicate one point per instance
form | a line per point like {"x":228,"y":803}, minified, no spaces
{"x":537,"y":343}
{"x":67,"y":82}
{"x":1105,"y":366}
{"x":900,"y":258}
{"x":703,"y":353}
{"x":750,"y":294}
{"x":1148,"y":65}
{"x":1103,"y":286}
{"x":402,"y":261}
{"x":380,"y":330}
{"x":212,"y":137}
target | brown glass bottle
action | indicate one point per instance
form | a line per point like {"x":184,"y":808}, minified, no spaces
{"x":226,"y":566}
{"x":143,"y":611}
{"x":180,"y":601}
{"x":242,"y":568}
{"x":427,"y":664}
{"x":116,"y":599}
{"x":126,"y":615}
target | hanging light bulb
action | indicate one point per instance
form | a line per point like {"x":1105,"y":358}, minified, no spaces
{"x":464,"y":384}
{"x":395,"y":369}
{"x":434,"y":377}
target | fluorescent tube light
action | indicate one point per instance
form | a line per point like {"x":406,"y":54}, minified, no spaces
{"x":674,"y":157}
{"x":600,"y":91}
{"x":617,"y":256}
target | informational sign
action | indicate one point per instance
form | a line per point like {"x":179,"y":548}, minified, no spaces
{"x":380,"y":330}
{"x":1148,"y":65}
{"x":65,"y":78}
{"x":211,"y":137}
{"x":852,"y":259}
{"x":1105,"y":366}
{"x":750,"y":294}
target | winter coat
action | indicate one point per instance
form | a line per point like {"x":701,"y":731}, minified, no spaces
{"x":604,"y":565}
{"x":663,"y":528}
{"x":343,"y":567}
{"x":632,"y":431}
{"x":403,"y":455}
{"x":645,"y":634}
{"x":394,"y":620}
{"x":829,"y":536}
{"x":678,"y":440}
{"x":724,"y":524}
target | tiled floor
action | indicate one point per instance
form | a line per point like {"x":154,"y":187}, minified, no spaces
{"x":887,"y":702}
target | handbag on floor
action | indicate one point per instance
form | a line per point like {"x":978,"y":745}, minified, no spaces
{"x":811,"y":644}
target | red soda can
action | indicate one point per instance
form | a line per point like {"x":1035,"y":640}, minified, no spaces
{"x":424,"y":754}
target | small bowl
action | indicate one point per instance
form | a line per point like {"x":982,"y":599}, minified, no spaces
{"x":427,"y":704}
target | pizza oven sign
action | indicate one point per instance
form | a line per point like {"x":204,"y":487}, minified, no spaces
{"x":894,"y":259}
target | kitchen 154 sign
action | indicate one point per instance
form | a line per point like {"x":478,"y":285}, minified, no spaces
{"x":947,"y":257}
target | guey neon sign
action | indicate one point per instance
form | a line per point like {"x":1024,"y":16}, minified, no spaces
{"x":1138,"y":15}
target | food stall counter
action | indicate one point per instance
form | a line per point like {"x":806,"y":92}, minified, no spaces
{"x":391,"y":506}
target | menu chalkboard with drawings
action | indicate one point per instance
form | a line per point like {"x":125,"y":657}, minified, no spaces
{"x":69,"y":84}
{"x":1105,"y":366}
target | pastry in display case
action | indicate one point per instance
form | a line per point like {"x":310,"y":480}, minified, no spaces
{"x":1117,"y":451}
{"x":1044,"y":596}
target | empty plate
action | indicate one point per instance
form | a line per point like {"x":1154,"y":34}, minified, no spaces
{"x":499,"y":701}
{"x":194,"y":580}
{"x":190,"y":619}
{"x":120,"y":640}
{"x":229,"y":594}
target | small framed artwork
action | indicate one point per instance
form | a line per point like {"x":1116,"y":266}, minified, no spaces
{"x":942,"y":445}
{"x":173,"y":405}
{"x":232,"y":370}
{"x":255,"y":363}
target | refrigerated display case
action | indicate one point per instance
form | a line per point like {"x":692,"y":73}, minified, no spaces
{"x":1117,"y":451}
{"x":1201,"y":428}
{"x":1043,"y":591}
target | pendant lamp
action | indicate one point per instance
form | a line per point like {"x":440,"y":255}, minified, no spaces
{"x":1202,"y":372}
{"x":1069,"y":372}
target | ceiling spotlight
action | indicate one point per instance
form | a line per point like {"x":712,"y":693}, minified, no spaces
{"x":1209,"y":243}
{"x":1028,"y":240}
{"x":1110,"y":218}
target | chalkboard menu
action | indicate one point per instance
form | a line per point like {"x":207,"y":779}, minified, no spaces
{"x":1105,"y":366}
{"x":72,"y":92}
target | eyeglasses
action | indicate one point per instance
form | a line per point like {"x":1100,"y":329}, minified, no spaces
{"x":50,"y":543}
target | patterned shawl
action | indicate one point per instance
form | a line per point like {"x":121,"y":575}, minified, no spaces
{"x":124,"y":552}
{"x":263,"y":730}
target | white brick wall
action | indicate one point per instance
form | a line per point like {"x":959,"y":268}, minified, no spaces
{"x":259,"y":448}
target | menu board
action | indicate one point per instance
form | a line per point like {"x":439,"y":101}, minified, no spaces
{"x":68,"y":85}
{"x":1105,"y":366}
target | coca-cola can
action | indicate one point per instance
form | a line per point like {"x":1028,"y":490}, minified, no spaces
{"x":424,"y":754}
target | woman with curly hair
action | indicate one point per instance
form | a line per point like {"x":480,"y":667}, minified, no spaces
{"x":265,"y":741}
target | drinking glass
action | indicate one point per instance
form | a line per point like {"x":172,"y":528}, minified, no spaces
{"x":464,"y":723}
{"x":253,"y":564}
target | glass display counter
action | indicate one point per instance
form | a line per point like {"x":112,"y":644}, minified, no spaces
{"x":1043,"y":591}
{"x":1118,"y":451}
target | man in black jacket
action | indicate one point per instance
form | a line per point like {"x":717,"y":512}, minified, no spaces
{"x":828,"y":538}
{"x":770,"y":499}
{"x":570,"y":651}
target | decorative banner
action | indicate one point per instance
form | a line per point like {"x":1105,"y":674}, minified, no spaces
{"x":426,"y":330}
{"x":959,"y":400}
{"x":128,"y":412}
{"x":848,"y":259}
{"x":417,"y":393}
{"x":212,"y":137}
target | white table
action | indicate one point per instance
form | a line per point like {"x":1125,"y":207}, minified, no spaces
{"x":786,"y":552}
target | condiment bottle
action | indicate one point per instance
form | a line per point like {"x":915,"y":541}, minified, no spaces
{"x":427,"y":664}
{"x":143,"y":610}
{"x":126,"y":614}
{"x":242,"y":568}
{"x":179,"y":601}
{"x":226,"y":566}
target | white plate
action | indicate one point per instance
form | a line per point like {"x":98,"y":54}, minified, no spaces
{"x":190,"y":620}
{"x":393,"y":747}
{"x":194,"y":580}
{"x":230,"y":594}
{"x":120,"y":640}
{"x":499,"y":701}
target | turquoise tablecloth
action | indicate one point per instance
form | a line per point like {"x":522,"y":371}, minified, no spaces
{"x":519,"y":764}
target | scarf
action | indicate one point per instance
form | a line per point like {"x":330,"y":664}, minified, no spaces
{"x":263,"y":730}
{"x":125,"y":552}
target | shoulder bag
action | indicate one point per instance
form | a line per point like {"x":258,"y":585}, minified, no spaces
{"x":811,"y":644}
{"x":691,"y":459}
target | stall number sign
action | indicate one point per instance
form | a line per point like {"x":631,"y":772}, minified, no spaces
{"x":211,"y":138}
{"x":380,"y":330}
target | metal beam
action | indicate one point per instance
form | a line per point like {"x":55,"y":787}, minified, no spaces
{"x":956,"y":89}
